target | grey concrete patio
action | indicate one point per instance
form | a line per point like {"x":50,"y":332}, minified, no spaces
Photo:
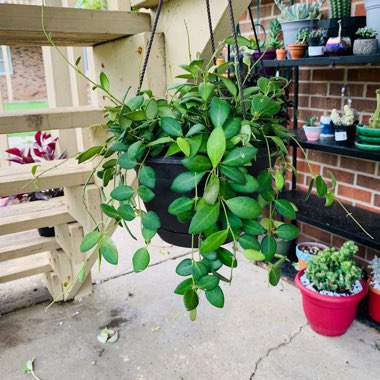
{"x":261,"y":333}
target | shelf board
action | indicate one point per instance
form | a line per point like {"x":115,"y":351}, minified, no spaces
{"x":145,"y":3}
{"x":331,"y":147}
{"x":21,"y":25}
{"x":325,"y":61}
{"x":334,"y":219}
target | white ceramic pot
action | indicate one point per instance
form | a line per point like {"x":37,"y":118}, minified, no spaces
{"x":316,"y":51}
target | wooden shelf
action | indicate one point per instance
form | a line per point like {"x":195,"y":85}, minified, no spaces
{"x":21,"y":25}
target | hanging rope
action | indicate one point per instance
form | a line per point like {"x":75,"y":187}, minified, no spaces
{"x":236,"y":47}
{"x":150,"y":44}
{"x":211,"y":30}
{"x":255,"y":33}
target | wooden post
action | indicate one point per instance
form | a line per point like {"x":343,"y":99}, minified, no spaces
{"x":3,"y":140}
{"x":8,"y":77}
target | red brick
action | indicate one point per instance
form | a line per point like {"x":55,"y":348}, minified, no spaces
{"x":371,"y":90}
{"x":303,"y":101}
{"x":359,"y":10}
{"x":377,"y":200}
{"x":304,"y":74}
{"x":368,"y":182}
{"x":358,"y":165}
{"x":322,"y":157}
{"x":325,"y":102}
{"x":355,"y":89}
{"x":316,"y":233}
{"x":367,"y":207}
{"x":363,"y":74}
{"x":340,"y":175}
{"x":337,"y":242}
{"x":354,"y":193}
{"x":302,"y":166}
{"x":328,"y":75}
{"x":364,"y":105}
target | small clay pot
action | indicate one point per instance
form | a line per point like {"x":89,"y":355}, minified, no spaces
{"x":297,"y":51}
{"x":365,"y":47}
{"x":281,"y":54}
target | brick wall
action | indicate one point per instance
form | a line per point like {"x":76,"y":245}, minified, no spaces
{"x":28,"y":79}
{"x":358,"y":180}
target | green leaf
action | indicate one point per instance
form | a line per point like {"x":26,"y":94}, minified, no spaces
{"x":90,"y":240}
{"x":82,"y":273}
{"x":195,"y":129}
{"x":216,"y":146}
{"x":332,"y":179}
{"x":212,"y":256}
{"x":109,"y":164}
{"x":199,"y":270}
{"x":205,"y":90}
{"x":219,"y":112}
{"x":208,"y":282}
{"x":197,"y":163}
{"x":186,"y":182}
{"x":214,"y":241}
{"x":126,"y":212}
{"x":108,"y":250}
{"x":251,"y":185}
{"x":147,"y":177}
{"x":140,"y":260}
{"x":136,"y":115}
{"x":190,"y":299}
{"x":184,"y":146}
{"x":173,"y":149}
{"x":122,"y":193}
{"x":89,"y":153}
{"x":151,"y":109}
{"x":148,"y":234}
{"x":285,"y":209}
{"x":252,"y":227}
{"x":171,"y":127}
{"x":233,"y":173}
{"x":321,"y":187}
{"x":151,"y":220}
{"x":104,"y":82}
{"x":287,"y":232}
{"x":226,"y":257}
{"x":254,"y":255}
{"x":109,"y":211}
{"x":269,"y":247}
{"x":240,"y":156}
{"x":244,"y":207}
{"x":160,"y":141}
{"x":211,"y":192}
{"x":204,"y":218}
{"x":232,"y":127}
{"x":185,"y":268}
{"x":135,"y":102}
{"x":181,"y":205}
{"x":260,"y":103}
{"x":230,"y":86}
{"x":215,"y":297}
{"x":125,"y":162}
{"x":311,"y":184}
{"x":241,"y":41}
{"x":274,"y":276}
{"x":183,"y":286}
{"x":279,"y":180}
{"x":34,"y":169}
{"x":329,"y":198}
{"x":28,"y":366}
{"x":145,"y":194}
{"x":249,"y":242}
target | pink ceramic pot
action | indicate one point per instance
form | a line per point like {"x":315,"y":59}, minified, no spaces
{"x":312,"y":133}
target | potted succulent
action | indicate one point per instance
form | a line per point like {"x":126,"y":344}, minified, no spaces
{"x":366,"y":43}
{"x":274,"y":41}
{"x":331,"y":288}
{"x":316,"y":42}
{"x":344,"y":125}
{"x":374,"y":290}
{"x":298,"y":49}
{"x":298,"y":16}
{"x":372,"y":8}
{"x":306,"y":250}
{"x":312,"y":131}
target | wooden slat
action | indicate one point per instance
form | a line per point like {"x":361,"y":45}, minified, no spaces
{"x":24,"y":244}
{"x":49,"y":119}
{"x":32,"y":215}
{"x":24,"y":267}
{"x":21,"y":25}
{"x":18,"y":179}
{"x":145,"y":3}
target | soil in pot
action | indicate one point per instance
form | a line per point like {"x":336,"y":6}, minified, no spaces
{"x":373,"y":302}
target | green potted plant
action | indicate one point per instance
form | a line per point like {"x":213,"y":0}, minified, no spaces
{"x":331,"y":288}
{"x":312,"y":131}
{"x":298,"y":49}
{"x":273,"y":43}
{"x":366,"y":43}
{"x":316,"y":42}
{"x":344,"y":125}
{"x":374,"y":290}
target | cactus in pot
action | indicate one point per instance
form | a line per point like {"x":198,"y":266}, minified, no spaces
{"x":340,"y":8}
{"x":300,"y":11}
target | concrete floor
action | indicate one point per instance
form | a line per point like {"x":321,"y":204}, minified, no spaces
{"x":260,"y":334}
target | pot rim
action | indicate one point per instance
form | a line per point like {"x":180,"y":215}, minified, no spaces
{"x":312,"y":127}
{"x":329,"y":299}
{"x":299,"y":46}
{"x":371,"y":288}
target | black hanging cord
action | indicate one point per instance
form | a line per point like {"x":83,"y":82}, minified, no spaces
{"x":255,"y":34}
{"x":211,"y":29}
{"x":236,"y":47}
{"x":150,"y":44}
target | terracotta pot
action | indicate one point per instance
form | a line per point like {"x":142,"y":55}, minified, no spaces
{"x":297,"y":51}
{"x":373,"y":302}
{"x":281,"y":54}
{"x":328,"y":315}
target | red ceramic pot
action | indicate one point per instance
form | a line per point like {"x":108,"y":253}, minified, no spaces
{"x":373,"y":302}
{"x":327,"y":315}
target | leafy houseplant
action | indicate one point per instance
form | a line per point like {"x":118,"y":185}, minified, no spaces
{"x":374,"y":290}
{"x":316,"y":42}
{"x":366,"y":44}
{"x":332,"y":288}
{"x":298,"y":49}
{"x":312,"y":131}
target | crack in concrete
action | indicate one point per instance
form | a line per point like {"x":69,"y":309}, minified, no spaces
{"x":282,"y":344}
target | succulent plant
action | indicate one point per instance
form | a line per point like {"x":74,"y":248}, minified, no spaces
{"x":310,"y":121}
{"x":366,"y":33}
{"x":274,"y":35}
{"x":347,"y":118}
{"x":375,"y":266}
{"x":340,"y":8}
{"x":302,"y":36}
{"x":300,"y":11}
{"x":374,"y":121}
{"x":334,"y":270}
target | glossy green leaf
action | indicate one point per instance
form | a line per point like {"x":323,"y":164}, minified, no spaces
{"x":186,"y":182}
{"x":232,"y":127}
{"x":147,"y":177}
{"x":244,"y":207}
{"x":108,"y":250}
{"x":269,"y":247}
{"x":249,"y":242}
{"x":135,"y":102}
{"x":216,"y":146}
{"x":171,"y":127}
{"x":122,"y":193}
{"x":332,"y":179}
{"x":204,"y":218}
{"x":199,"y":270}
{"x":34,"y":169}
{"x":140,"y":260}
{"x":197,"y":163}
{"x":219,"y":112}
{"x":285,"y":209}
{"x":240,"y":156}
{"x":311,"y":184}
{"x":180,"y":205}
{"x":252,"y":227}
{"x":208,"y":282}
{"x":279,"y":180}
{"x":234,"y":174}
{"x":134,"y":149}
{"x":205,"y":90}
{"x":104,"y":82}
{"x":90,"y":240}
{"x":151,"y":220}
{"x":260,"y":103}
{"x":321,"y":187}
{"x":184,"y":146}
{"x":126,"y":212}
{"x":211,"y":192}
{"x":251,"y":185}
{"x":109,"y":210}
{"x":183,"y":286}
{"x":215,"y":297}
{"x":160,"y":141}
{"x":185,"y":267}
{"x":136,"y":115}
{"x":274,"y":276}
{"x":145,"y":194}
{"x":329,"y":198}
{"x":214,"y":241}
{"x":226,"y":257}
{"x":148,"y":234}
{"x":89,"y":153}
{"x":190,"y":299}
{"x":287,"y":231}
{"x":125,"y":162}
{"x":254,"y":255}
{"x":151,"y":109}
{"x":185,"y":216}
{"x":230,"y":86}
{"x":210,"y":255}
{"x":195,"y":129}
